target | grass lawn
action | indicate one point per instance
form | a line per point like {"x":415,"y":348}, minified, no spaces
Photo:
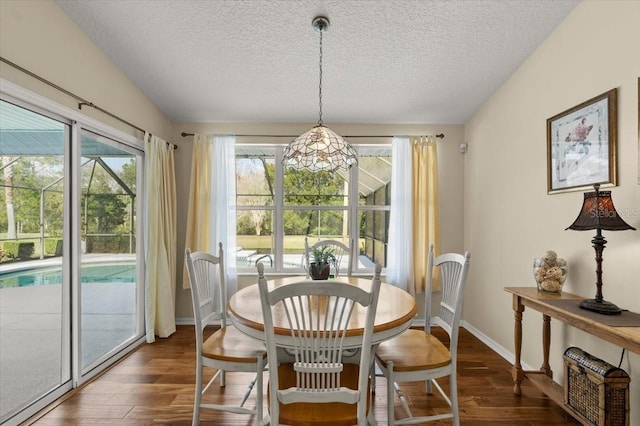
{"x":293,"y":243}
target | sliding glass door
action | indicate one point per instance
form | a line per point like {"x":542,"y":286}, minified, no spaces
{"x":35,"y":354}
{"x":110,"y":301}
{"x":71,"y":274}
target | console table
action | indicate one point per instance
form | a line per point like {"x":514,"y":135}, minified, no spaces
{"x":550,"y":305}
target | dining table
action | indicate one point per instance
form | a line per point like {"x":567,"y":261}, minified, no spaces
{"x":396,"y":309}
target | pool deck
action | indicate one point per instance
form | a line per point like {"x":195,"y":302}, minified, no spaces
{"x":33,"y":344}
{"x":57,"y":261}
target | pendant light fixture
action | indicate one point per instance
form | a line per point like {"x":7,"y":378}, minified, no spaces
{"x":320,"y":148}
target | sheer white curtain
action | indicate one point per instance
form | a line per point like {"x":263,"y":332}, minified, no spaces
{"x":160,"y":238}
{"x":400,"y":250}
{"x":223,"y":204}
{"x":211,"y":215}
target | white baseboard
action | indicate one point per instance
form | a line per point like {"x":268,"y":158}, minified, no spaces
{"x":184,"y":321}
{"x":493,"y":345}
{"x":189,"y":321}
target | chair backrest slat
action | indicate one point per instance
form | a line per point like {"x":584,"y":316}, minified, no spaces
{"x":454,"y":268}
{"x":343,"y":254}
{"x":208,"y":289}
{"x":319,"y":318}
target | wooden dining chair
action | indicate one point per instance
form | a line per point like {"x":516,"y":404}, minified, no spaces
{"x":342,"y":254}
{"x":417,"y":355}
{"x":226,"y":349}
{"x":315,"y":385}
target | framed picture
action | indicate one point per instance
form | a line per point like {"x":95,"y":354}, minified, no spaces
{"x":581,"y":145}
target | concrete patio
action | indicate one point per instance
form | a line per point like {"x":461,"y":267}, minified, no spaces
{"x":33,"y":347}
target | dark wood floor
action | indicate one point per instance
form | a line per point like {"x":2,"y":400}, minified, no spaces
{"x":155,"y":385}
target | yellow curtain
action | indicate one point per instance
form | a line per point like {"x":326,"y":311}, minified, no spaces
{"x":426,"y":221}
{"x":198,"y":217}
{"x":160,"y":238}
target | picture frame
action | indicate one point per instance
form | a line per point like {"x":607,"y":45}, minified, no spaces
{"x":582,"y":145}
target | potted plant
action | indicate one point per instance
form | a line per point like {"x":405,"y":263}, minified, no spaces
{"x":320,"y":264}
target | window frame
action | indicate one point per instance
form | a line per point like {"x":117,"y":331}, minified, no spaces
{"x":353,"y":209}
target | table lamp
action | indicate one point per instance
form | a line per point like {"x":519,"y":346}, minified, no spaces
{"x":599,"y":213}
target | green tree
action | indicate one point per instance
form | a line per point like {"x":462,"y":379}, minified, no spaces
{"x":106,"y":212}
{"x":254,"y":188}
{"x":27,"y":189}
{"x":305,"y":188}
{"x":7,"y":171}
{"x":24,"y":180}
{"x":302,"y":187}
{"x":255,"y":183}
{"x":128,"y":174}
{"x":103,"y":199}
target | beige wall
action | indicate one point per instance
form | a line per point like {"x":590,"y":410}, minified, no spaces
{"x":510,"y":219}
{"x":39,"y":37}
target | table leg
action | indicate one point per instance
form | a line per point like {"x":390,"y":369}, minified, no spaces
{"x":546,"y":345}
{"x":517,"y":373}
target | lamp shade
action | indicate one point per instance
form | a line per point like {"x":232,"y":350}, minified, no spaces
{"x":320,"y":149}
{"x":598,"y":212}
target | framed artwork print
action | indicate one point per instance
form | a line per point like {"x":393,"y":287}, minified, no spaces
{"x":581,"y":145}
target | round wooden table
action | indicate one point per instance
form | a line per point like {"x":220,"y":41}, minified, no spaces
{"x":396,"y":309}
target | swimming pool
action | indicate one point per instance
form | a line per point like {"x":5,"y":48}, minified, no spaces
{"x":103,"y":273}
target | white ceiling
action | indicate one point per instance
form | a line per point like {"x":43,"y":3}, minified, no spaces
{"x":393,"y":61}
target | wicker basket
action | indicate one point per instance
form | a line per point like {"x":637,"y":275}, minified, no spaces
{"x":595,"y":391}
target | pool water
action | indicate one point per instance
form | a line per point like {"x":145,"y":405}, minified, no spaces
{"x":122,"y":273}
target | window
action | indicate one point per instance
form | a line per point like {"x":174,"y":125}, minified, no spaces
{"x":277,"y":208}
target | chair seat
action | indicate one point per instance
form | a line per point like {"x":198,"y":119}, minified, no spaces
{"x":307,"y":414}
{"x":413,"y":350}
{"x":229,"y":344}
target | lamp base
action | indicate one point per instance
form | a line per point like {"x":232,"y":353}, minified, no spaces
{"x":601,"y":307}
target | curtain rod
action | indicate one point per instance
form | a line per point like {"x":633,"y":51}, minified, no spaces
{"x":82,"y":101}
{"x":184,"y":135}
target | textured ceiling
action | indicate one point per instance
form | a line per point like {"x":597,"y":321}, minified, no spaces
{"x":393,"y":61}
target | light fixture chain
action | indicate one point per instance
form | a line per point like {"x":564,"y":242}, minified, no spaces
{"x":320,"y":85}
